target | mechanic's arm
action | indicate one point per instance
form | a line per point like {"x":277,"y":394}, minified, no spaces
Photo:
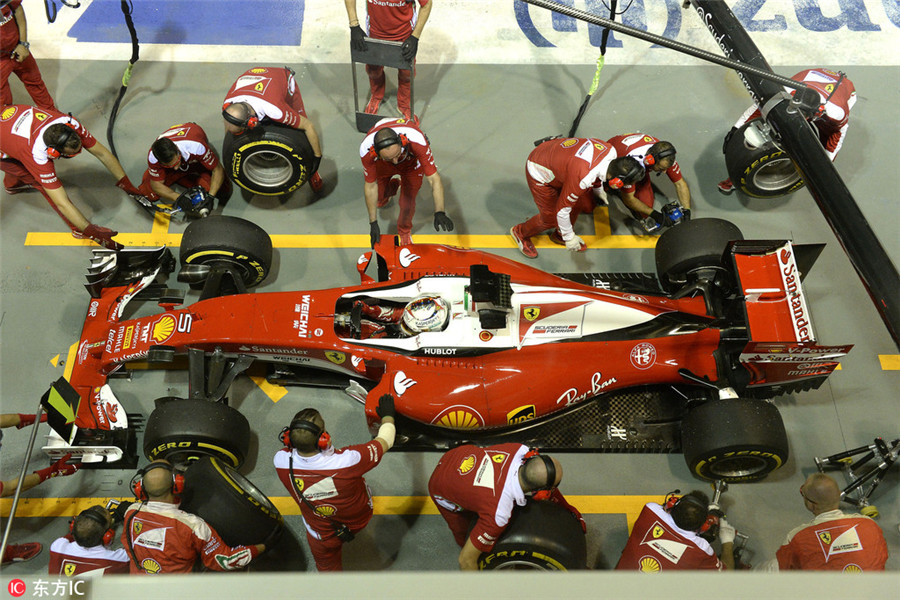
{"x":20,"y":52}
{"x":386,"y":433}
{"x":727,"y":557}
{"x":424,"y":12}
{"x":468,"y":556}
{"x":370,"y":192}
{"x":630,"y":201}
{"x":216,"y":179}
{"x":350,"y":5}
{"x":109,"y":161}
{"x":683,"y":192}
{"x":437,"y":191}
{"x":68,"y":210}
{"x":163,"y":191}
{"x":306,"y":126}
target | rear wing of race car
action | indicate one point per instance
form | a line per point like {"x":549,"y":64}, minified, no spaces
{"x":783,"y":346}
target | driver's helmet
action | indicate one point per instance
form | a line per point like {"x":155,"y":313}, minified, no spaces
{"x":425,"y":313}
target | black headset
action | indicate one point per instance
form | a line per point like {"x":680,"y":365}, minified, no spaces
{"x":655,"y":156}
{"x":323,"y":438}
{"x":99,"y":516}
{"x":388,"y":141}
{"x":250,"y":122}
{"x":57,"y":149}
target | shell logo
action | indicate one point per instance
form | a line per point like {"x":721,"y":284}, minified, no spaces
{"x":326,"y":510}
{"x":467,"y":464}
{"x":569,"y":143}
{"x":658,"y":531}
{"x":150,"y":566}
{"x":258,"y":70}
{"x":459,"y":419}
{"x":851,"y":568}
{"x":8,"y":113}
{"x":337,"y":358}
{"x":162,"y":329}
{"x":648,"y":564}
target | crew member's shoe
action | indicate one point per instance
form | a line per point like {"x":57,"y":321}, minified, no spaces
{"x":316,"y":183}
{"x":556,"y":238}
{"x":372,"y":106}
{"x":21,"y":552}
{"x":726,"y":187}
{"x":405,"y":239}
{"x":525,"y":244}
{"x":20,"y":189}
{"x":389,"y":192}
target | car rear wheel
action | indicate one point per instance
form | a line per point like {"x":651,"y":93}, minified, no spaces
{"x":229,"y":503}
{"x":765,"y":171}
{"x":734,"y":439}
{"x":237,"y":243}
{"x":688,"y":248}
{"x":541,"y":536}
{"x":182,"y":430}
{"x":270,"y":160}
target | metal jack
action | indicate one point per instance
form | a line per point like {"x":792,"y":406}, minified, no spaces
{"x":862,"y":481}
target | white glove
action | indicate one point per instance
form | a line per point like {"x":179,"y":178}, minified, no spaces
{"x":576,"y":244}
{"x":726,"y":532}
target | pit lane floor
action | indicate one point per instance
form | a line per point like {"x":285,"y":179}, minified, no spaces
{"x":480,"y":153}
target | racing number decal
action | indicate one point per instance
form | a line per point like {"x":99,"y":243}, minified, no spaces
{"x":184,"y":323}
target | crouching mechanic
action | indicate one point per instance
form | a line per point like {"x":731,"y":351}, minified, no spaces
{"x":656,"y":156}
{"x":161,"y":538}
{"x":563,"y":175}
{"x":85,"y":549}
{"x":486,"y":484}
{"x":30,"y":140}
{"x":399,"y":147}
{"x":667,"y":537}
{"x":328,"y":484}
{"x":182,"y":155}
{"x":271,"y":93}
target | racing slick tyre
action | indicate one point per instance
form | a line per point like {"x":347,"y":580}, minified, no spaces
{"x":230,"y":503}
{"x":734,"y":439}
{"x":268,"y":160}
{"x":230,"y":241}
{"x":541,"y":536}
{"x":182,"y":430}
{"x":765,"y":171}
{"x":690,"y":246}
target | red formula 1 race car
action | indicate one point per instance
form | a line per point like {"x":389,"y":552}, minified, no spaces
{"x":471,"y":345}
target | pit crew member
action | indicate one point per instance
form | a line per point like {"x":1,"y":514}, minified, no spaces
{"x":833,"y":540}
{"x":182,"y":155}
{"x":328,"y":484}
{"x":657,"y":156}
{"x":563,"y":175}
{"x":837,"y":95}
{"x":667,"y":538}
{"x":30,"y":140}
{"x":16,"y":57}
{"x":398,"y":147}
{"x":472,"y":483}
{"x":392,"y":20}
{"x":161,"y":538}
{"x":85,"y":549}
{"x":271,"y":93}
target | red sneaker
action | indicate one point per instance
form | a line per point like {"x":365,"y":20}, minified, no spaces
{"x":525,"y":245}
{"x":21,"y":552}
{"x":390,"y":191}
{"x":556,"y":238}
{"x":20,"y":189}
{"x":372,"y":106}
{"x":316,"y":183}
{"x":726,"y":187}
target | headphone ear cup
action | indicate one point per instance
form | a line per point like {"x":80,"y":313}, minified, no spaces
{"x":177,"y":484}
{"x":71,"y":526}
{"x":324,"y":441}
{"x":52,"y":152}
{"x":252,"y":122}
{"x":649,"y":160}
{"x":616,"y":183}
{"x":138,"y":489}
{"x":541,"y":495}
{"x":285,"y":437}
{"x":109,"y":536}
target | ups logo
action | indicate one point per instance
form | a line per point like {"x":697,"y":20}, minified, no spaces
{"x":520,"y":414}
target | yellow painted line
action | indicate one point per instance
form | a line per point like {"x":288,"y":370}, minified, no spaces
{"x":55,"y":361}
{"x":273,"y":391}
{"x":889,"y":362}
{"x":630,"y":506}
{"x":70,"y":361}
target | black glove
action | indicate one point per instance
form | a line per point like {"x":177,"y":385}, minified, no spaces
{"x":358,"y":38}
{"x":374,"y":233}
{"x":385,"y":407}
{"x":118,"y":514}
{"x":409,"y":48}
{"x":314,"y":165}
{"x":442,"y":221}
